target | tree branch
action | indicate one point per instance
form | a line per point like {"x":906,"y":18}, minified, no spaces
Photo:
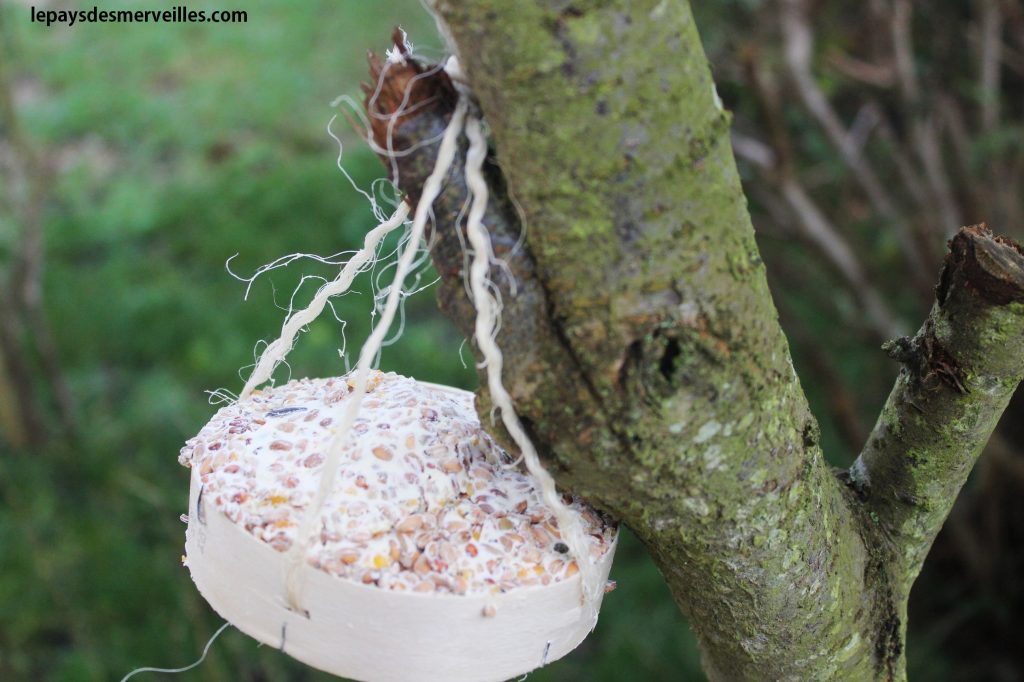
{"x":653,"y":350}
{"x":958,"y":375}
{"x":642,"y":346}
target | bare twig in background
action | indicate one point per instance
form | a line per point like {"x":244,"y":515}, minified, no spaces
{"x":820,"y":230}
{"x":814,"y":226}
{"x":909,"y":175}
{"x":25,"y":323}
{"x":922,"y":125}
{"x":930,"y":153}
{"x":22,"y":400}
{"x":954,"y":125}
{"x":903,"y":50}
{"x":799,"y":46}
{"x":876,"y":75}
{"x":776,"y":163}
{"x":991,"y":63}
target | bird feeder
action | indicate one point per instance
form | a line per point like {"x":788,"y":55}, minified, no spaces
{"x":432,"y":558}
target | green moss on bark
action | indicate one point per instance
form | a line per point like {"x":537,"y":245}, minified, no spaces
{"x":644,"y":354}
{"x":611,"y":138}
{"x":958,"y":374}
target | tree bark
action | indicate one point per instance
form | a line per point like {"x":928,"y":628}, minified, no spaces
{"x":642,"y":347}
{"x":958,"y":375}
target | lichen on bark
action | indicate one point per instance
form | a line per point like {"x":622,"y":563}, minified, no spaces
{"x":957,"y":376}
{"x":643,"y":349}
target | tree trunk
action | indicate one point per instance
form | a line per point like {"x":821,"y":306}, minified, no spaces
{"x":642,"y":347}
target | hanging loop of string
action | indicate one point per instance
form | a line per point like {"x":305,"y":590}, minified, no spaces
{"x":485,"y":331}
{"x":431,"y":188}
{"x":486,"y":328}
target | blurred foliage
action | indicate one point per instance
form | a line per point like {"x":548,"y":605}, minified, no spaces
{"x":175,"y":148}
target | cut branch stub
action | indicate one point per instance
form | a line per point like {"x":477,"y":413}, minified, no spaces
{"x":401,"y":91}
{"x":958,"y":373}
{"x":992,"y":265}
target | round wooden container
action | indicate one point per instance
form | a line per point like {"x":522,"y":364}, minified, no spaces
{"x":369,"y":633}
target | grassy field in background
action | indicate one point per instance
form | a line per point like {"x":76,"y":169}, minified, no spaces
{"x":178,"y":147}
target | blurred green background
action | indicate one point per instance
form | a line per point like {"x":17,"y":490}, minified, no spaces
{"x":135,"y":160}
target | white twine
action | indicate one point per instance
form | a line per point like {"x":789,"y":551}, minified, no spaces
{"x":485,"y":332}
{"x":206,"y":650}
{"x":431,"y":188}
{"x":276,"y":352}
{"x":488,"y":307}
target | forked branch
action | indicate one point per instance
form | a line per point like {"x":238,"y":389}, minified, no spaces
{"x":643,"y":349}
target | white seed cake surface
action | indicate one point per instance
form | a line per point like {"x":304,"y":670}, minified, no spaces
{"x":422,"y":500}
